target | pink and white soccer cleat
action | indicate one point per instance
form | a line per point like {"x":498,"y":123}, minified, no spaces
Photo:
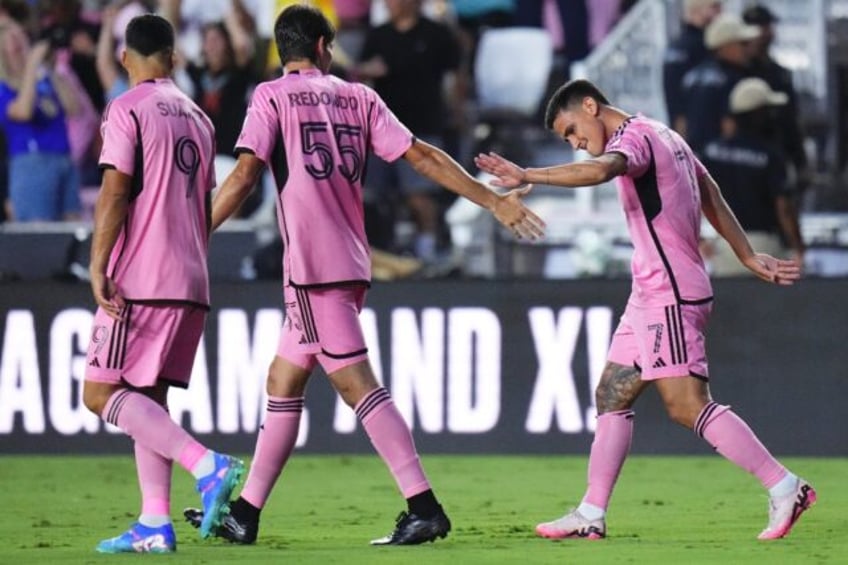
{"x":573,"y":525}
{"x":785,"y":510}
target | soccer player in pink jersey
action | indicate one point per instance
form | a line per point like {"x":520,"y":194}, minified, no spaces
{"x":151,"y":284}
{"x":314,"y":132}
{"x":663,"y":189}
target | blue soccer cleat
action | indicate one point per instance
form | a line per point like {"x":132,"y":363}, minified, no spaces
{"x":141,"y":539}
{"x":215,"y":489}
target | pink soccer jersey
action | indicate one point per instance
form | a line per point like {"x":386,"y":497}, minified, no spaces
{"x":314,"y":131}
{"x":158,"y":136}
{"x":662,"y":204}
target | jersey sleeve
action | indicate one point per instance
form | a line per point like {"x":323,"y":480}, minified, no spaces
{"x":636,"y":150}
{"x":261,"y":124}
{"x":390,"y":139}
{"x":120,"y":139}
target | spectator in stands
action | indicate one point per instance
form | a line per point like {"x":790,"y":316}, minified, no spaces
{"x":189,"y":17}
{"x":685,"y":53}
{"x":574,"y":18}
{"x":35,"y":100}
{"x":475,"y":16}
{"x":779,"y":79}
{"x":16,"y":11}
{"x":223,"y":82}
{"x":409,"y":59}
{"x":113,"y":76}
{"x":603,"y":16}
{"x":706,"y":88}
{"x":222,"y":85}
{"x":64,"y":25}
{"x":354,"y":17}
{"x":750,"y":167}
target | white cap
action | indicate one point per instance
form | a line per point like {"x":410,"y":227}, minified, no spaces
{"x":728,"y":28}
{"x":753,"y":93}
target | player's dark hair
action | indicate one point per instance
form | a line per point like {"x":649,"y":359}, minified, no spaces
{"x":569,"y":94}
{"x":149,"y":34}
{"x":297,"y":31}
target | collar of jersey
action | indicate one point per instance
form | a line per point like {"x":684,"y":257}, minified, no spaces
{"x":305,"y":73}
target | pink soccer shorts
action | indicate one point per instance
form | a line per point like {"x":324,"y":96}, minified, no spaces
{"x":150,"y":344}
{"x":663,"y":341}
{"x":322,"y":326}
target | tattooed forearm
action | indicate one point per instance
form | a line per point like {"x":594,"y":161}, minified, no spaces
{"x":619,"y":388}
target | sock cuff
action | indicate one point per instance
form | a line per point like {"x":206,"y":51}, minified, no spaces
{"x":113,"y":406}
{"x":708,"y":414}
{"x":371,"y":402}
{"x":279,"y":405}
{"x":626,"y":414}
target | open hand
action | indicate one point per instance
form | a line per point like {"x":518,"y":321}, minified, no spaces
{"x":778,"y":271}
{"x":512,"y":213}
{"x":509,"y":174}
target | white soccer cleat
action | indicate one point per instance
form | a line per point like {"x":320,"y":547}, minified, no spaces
{"x":785,"y":510}
{"x":573,"y":525}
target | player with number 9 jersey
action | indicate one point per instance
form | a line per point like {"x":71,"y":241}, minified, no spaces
{"x":333,"y":124}
{"x":158,"y":136}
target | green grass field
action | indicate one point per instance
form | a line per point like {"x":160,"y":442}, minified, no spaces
{"x":326,"y":508}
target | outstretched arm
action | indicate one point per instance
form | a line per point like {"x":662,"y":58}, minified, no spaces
{"x":720,"y":215}
{"x":583,"y":173}
{"x":508,"y":209}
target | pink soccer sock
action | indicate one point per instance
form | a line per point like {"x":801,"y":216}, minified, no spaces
{"x":154,"y":480}
{"x":733,"y":439}
{"x":391,"y":438}
{"x":276,"y":441}
{"x":149,"y":424}
{"x":609,"y":450}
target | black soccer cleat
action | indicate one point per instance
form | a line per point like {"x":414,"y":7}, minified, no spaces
{"x":411,"y":529}
{"x":231,"y":529}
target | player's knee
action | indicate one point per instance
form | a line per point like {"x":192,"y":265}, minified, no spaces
{"x":606,"y":400}
{"x":95,"y":398}
{"x":683,"y":413}
{"x":286,"y":380}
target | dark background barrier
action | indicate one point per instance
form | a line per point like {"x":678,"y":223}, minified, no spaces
{"x":476,"y":367}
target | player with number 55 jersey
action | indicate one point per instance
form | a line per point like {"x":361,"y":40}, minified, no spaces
{"x":314,"y":132}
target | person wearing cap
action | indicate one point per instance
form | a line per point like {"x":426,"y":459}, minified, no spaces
{"x":751,"y":169}
{"x":779,"y":78}
{"x":706,"y":88}
{"x":685,"y":52}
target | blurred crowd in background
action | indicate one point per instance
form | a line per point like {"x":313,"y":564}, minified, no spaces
{"x":60,"y":67}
